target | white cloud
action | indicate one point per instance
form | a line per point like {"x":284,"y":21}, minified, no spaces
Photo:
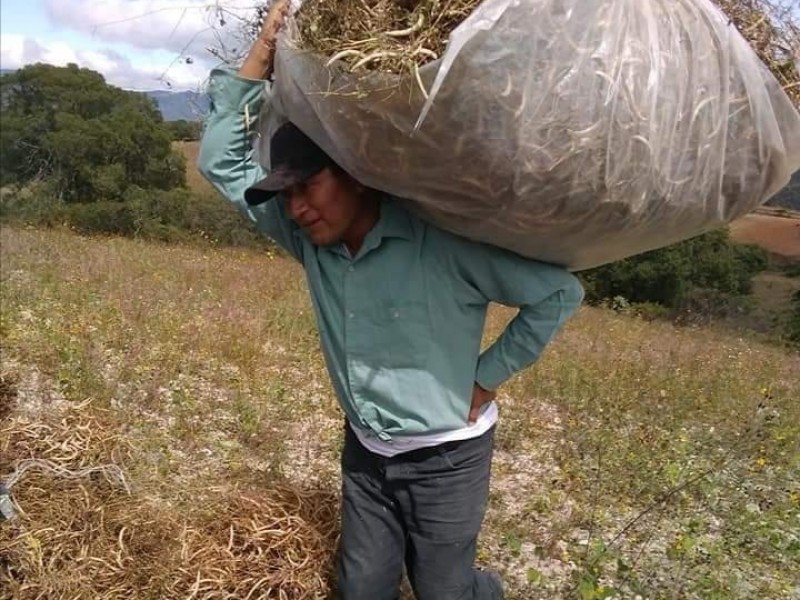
{"x":185,"y":27}
{"x":144,"y":73}
{"x":137,"y":44}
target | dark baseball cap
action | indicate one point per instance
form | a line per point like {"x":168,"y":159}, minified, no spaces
{"x":294,"y":158}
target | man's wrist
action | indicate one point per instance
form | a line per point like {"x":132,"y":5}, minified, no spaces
{"x":264,"y":52}
{"x":488,"y":391}
{"x":259,"y":63}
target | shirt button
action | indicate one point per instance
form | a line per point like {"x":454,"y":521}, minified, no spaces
{"x":396,"y":314}
{"x":351,"y":268}
{"x":350,"y":315}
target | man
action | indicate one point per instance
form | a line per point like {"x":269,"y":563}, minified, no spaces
{"x":400,"y":306}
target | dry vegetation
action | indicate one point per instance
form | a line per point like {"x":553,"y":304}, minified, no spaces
{"x":386,"y":35}
{"x":398,"y":36}
{"x":194,"y":180}
{"x":773,"y":30}
{"x":635,"y":458}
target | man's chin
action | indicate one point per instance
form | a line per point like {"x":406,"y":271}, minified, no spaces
{"x":323,"y":238}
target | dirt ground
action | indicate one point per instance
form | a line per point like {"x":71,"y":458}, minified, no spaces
{"x":778,"y":235}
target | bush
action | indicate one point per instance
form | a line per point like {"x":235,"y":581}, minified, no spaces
{"x":791,"y":269}
{"x":110,"y":218}
{"x":218,"y":221}
{"x":793,"y":329}
{"x":184,"y":131}
{"x":669,"y":276}
{"x":35,"y":204}
{"x":177,"y":215}
{"x":701,"y":305}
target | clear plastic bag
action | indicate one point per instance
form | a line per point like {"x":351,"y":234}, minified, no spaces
{"x":576,"y":132}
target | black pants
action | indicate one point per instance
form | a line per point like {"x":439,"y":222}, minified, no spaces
{"x":423,"y":509}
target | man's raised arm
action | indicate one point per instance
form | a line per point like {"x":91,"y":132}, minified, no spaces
{"x":226,"y":155}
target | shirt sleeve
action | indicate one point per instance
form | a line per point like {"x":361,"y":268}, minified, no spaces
{"x":227,"y":158}
{"x":546,"y":295}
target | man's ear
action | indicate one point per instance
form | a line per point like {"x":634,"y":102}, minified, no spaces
{"x":353,"y":183}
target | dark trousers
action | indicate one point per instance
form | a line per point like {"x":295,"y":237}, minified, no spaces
{"x":422,"y":509}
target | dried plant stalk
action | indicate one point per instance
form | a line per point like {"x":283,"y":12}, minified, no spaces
{"x":89,"y":538}
{"x":390,"y":36}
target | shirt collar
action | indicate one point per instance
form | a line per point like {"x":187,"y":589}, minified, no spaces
{"x":394,"y":221}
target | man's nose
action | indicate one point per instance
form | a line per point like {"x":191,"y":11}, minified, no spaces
{"x":297,"y":205}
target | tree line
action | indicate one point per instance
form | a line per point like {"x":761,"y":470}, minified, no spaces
{"x":76,"y":151}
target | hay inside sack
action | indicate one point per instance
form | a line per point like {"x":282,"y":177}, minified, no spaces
{"x":604,"y":128}
{"x":390,"y":36}
{"x":399,"y":36}
{"x":88,"y":537}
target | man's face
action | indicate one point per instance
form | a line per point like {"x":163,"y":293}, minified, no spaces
{"x":325,"y":206}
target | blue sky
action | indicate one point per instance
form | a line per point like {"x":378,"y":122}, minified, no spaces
{"x":136,"y":44}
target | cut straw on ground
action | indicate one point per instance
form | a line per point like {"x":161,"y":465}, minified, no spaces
{"x":81,"y":532}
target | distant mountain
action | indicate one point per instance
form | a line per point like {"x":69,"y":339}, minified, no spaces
{"x":176,"y":106}
{"x":788,"y":197}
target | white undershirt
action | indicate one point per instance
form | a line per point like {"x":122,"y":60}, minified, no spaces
{"x":399,"y":444}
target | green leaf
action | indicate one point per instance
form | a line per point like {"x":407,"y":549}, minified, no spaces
{"x":587,"y":588}
{"x":535,"y":576}
{"x":513,"y":543}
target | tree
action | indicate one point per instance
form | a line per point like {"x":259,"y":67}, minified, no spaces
{"x":772,"y":27}
{"x":185,"y":131}
{"x":92,"y":141}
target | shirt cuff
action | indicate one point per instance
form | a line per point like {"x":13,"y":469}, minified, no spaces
{"x":229,"y":91}
{"x":491,"y":373}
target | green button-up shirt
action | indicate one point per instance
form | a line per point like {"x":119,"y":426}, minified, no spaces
{"x":401,"y":322}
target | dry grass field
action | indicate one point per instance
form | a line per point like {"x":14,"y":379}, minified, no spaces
{"x":194,"y":180}
{"x":187,"y":441}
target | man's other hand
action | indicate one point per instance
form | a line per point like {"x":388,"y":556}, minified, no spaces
{"x":260,"y":61}
{"x":480,"y":397}
{"x":274,"y":20}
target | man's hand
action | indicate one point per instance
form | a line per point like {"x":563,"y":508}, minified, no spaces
{"x":480,"y":397}
{"x":274,"y":20}
{"x":259,"y":62}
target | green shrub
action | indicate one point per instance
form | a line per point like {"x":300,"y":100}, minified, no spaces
{"x":669,"y":275}
{"x":177,"y":215}
{"x":35,"y":204}
{"x":794,"y":320}
{"x":791,"y":269}
{"x":111,"y":218}
{"x":216,"y":220}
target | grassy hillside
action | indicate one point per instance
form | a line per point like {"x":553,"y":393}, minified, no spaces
{"x":634,"y":458}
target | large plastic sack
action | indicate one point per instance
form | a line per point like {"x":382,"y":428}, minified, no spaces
{"x":576,"y":132}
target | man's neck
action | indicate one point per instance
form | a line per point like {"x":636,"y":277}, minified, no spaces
{"x":354,"y":237}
